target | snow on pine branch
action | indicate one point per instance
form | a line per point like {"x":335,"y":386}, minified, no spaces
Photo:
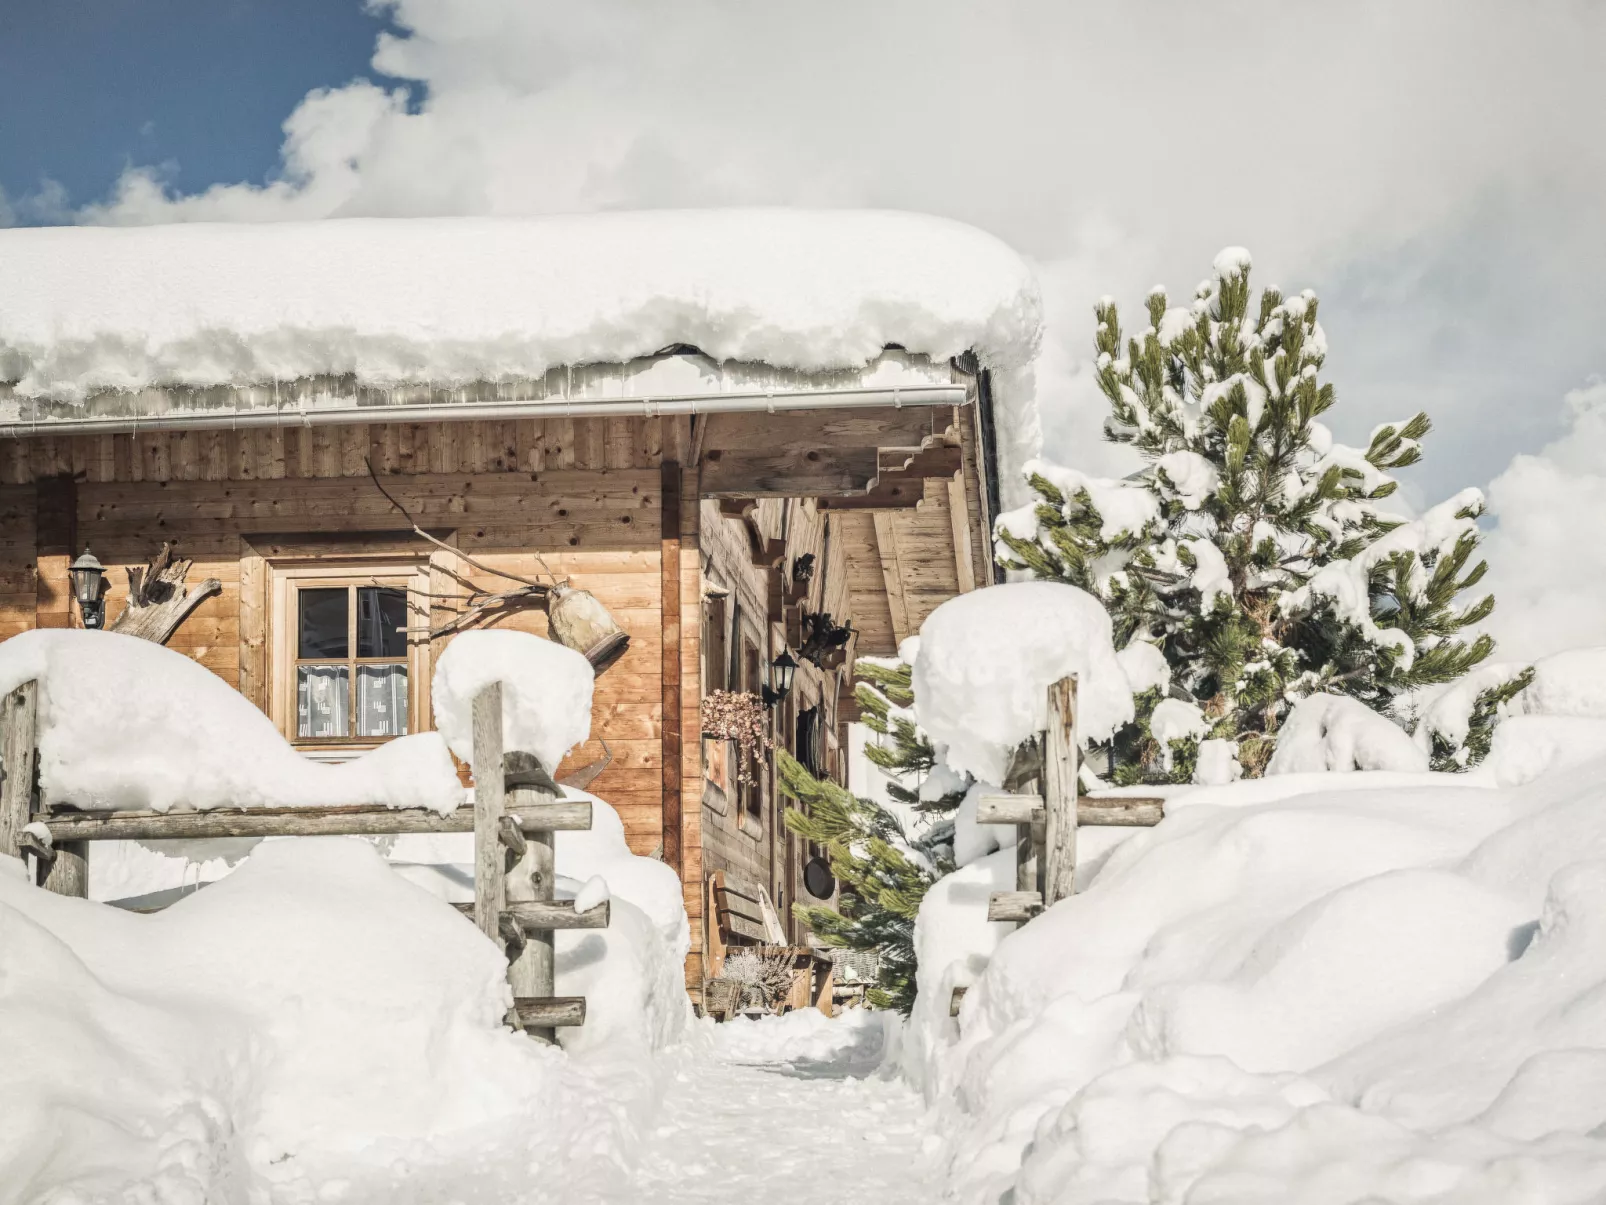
{"x":1253,"y":550}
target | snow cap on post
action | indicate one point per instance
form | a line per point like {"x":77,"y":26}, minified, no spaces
{"x":546,"y":696}
{"x":988,"y":657}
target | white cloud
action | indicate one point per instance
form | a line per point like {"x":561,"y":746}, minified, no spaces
{"x":1547,"y":558}
{"x":1433,"y":169}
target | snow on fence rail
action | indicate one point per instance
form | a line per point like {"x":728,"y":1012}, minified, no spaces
{"x":516,"y":810}
{"x":1046,"y":823}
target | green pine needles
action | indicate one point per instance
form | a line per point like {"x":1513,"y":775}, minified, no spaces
{"x":1251,"y":552}
{"x":883,"y":871}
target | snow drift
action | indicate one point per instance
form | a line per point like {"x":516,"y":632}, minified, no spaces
{"x":1297,"y":995}
{"x":125,"y":723}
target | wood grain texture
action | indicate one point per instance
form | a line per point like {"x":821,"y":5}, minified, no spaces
{"x":358,"y":820}
{"x":490,"y":872}
{"x":669,"y":664}
{"x":1060,"y":792}
{"x":19,"y":760}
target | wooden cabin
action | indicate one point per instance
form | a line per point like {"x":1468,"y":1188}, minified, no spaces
{"x":718,"y":508}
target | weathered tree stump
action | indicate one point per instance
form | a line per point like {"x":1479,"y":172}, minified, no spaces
{"x":157,"y":600}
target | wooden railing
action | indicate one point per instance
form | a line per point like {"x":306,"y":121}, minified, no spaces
{"x":1046,"y":820}
{"x":516,"y":810}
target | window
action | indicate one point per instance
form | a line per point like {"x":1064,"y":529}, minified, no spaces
{"x":347,"y":676}
{"x":715,"y":660}
{"x":351,"y":662}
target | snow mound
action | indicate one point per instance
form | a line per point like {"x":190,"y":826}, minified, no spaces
{"x":311,"y":1019}
{"x":1335,"y":732}
{"x":1571,"y":683}
{"x":986,"y":662}
{"x":1387,"y":992}
{"x":546,"y":693}
{"x":126,"y":723}
{"x":451,"y":300}
{"x":1145,"y":667}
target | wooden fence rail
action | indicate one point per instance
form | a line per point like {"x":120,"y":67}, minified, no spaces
{"x":514,"y":814}
{"x":1046,"y":821}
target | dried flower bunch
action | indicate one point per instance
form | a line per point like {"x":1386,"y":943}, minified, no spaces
{"x":765,"y":970}
{"x":737,"y":715}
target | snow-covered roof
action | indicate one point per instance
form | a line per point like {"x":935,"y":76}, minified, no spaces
{"x":387,"y":302}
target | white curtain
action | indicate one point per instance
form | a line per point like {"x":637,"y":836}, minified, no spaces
{"x":381,"y":700}
{"x":322,"y":700}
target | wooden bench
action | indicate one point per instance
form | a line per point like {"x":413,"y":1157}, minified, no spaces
{"x":740,"y":914}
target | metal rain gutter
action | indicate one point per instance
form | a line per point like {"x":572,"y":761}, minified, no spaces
{"x":317,"y":416}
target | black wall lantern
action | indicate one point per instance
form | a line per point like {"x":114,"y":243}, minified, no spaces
{"x":89,"y":588}
{"x":782,"y":670}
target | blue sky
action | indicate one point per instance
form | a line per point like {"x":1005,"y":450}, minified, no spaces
{"x":88,"y":87}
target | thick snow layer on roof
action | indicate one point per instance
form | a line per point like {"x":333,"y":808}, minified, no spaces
{"x":452,"y":300}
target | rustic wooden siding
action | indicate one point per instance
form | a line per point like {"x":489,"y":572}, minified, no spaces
{"x":581,"y":495}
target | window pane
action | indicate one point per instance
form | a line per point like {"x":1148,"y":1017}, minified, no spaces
{"x":322,"y":700}
{"x":381,"y":613}
{"x":323,"y":623}
{"x":381,"y":700}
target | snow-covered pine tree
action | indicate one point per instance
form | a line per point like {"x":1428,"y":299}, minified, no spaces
{"x":883,"y":869}
{"x":882,"y":878}
{"x":885,"y":694}
{"x":1251,"y":551}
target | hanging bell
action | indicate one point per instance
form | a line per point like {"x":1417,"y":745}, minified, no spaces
{"x":579,"y":622}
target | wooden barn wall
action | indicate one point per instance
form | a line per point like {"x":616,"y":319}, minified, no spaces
{"x":733,"y":839}
{"x":584,"y":496}
{"x":759,"y":847}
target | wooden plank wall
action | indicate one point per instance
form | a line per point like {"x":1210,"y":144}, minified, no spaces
{"x":582,"y":497}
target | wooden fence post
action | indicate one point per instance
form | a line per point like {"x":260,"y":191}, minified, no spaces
{"x":532,"y":965}
{"x":19,"y":758}
{"x":1060,"y":792}
{"x":490,"y":872}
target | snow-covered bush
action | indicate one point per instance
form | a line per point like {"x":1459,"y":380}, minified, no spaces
{"x":1335,"y":732}
{"x":1252,"y":551}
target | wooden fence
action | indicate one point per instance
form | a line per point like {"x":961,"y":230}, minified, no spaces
{"x":516,"y":810}
{"x":1046,"y":820}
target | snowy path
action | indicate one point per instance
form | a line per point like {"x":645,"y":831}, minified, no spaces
{"x":746,"y":1123}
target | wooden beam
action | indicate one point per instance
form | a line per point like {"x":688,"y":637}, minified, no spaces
{"x":1128,"y":811}
{"x":563,"y":815}
{"x":886,"y":536}
{"x":546,"y":1012}
{"x":669,"y":729}
{"x":490,"y":869}
{"x":900,"y":482}
{"x":19,"y":754}
{"x":959,"y":520}
{"x":534,"y":915}
{"x":1014,"y":905}
{"x":1060,"y":751}
{"x":802,"y":430}
{"x":787,"y":473}
{"x":531,"y":877}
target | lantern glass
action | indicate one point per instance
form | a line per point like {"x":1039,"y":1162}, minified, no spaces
{"x":782,"y":671}
{"x":88,"y":579}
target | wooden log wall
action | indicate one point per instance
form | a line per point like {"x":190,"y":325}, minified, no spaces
{"x":583,"y":495}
